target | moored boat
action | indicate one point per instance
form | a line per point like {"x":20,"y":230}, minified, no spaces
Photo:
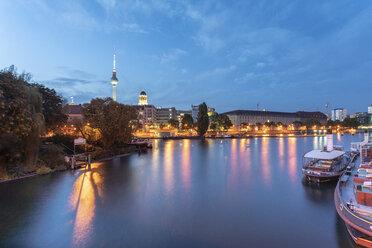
{"x":353,"y":195}
{"x":325,"y":165}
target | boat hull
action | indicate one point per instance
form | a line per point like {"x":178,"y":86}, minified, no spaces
{"x":321,"y":176}
{"x":359,"y":228}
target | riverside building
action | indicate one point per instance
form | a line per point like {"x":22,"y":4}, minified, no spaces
{"x":339,"y":114}
{"x":146,"y":112}
{"x":238,"y":117}
{"x":165,"y":114}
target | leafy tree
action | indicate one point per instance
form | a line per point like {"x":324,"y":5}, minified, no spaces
{"x":312,"y":122}
{"x":297,"y":124}
{"x":161,"y":125}
{"x":350,"y":122}
{"x":202,"y":120}
{"x":223,"y":122}
{"x":53,"y":107}
{"x":173,"y":123}
{"x":112,"y":119}
{"x":21,"y":121}
{"x":258,"y":125}
{"x":187,"y":122}
{"x":270,"y":124}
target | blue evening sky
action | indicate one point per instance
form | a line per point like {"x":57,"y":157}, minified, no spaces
{"x":285,"y":55}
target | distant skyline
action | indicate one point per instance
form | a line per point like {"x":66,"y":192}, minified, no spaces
{"x":285,"y":55}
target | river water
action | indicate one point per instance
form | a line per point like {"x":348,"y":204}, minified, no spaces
{"x":182,"y":193}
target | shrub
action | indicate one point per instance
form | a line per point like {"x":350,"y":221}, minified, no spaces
{"x":43,"y":170}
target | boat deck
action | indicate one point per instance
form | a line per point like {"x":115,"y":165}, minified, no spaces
{"x":347,"y":192}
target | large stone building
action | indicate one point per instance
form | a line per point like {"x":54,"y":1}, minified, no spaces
{"x":238,"y":117}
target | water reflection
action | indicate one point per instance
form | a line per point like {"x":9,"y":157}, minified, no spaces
{"x":168,"y":166}
{"x":292,"y":158}
{"x":281,"y":152}
{"x":187,"y":193}
{"x":185,"y":163}
{"x":86,"y":189}
{"x":265,"y":153}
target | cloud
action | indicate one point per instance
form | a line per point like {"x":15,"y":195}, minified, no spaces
{"x":215,"y":74}
{"x":172,"y":56}
{"x":133,"y":28}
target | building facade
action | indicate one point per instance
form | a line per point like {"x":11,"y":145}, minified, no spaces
{"x":146,"y":112}
{"x":238,"y":117}
{"x":370,"y":109}
{"x":181,"y":114}
{"x":364,"y":118}
{"x":165,"y":114}
{"x":74,"y":113}
{"x":339,"y":114}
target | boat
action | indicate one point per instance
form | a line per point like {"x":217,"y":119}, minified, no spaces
{"x":327,"y":164}
{"x":148,"y":143}
{"x":353,"y":195}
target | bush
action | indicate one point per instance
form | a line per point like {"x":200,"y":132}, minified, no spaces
{"x":43,"y":170}
{"x":51,"y":156}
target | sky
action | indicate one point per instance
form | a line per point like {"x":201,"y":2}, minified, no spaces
{"x":284,"y":55}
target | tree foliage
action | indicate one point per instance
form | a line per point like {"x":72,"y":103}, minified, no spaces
{"x":21,"y":120}
{"x":53,"y":107}
{"x":173,"y":123}
{"x":187,"y":122}
{"x":220,"y":122}
{"x":202,"y":120}
{"x":112,"y":119}
{"x":350,"y":122}
{"x":312,"y":122}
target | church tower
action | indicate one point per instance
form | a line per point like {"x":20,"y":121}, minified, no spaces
{"x":114,"y":80}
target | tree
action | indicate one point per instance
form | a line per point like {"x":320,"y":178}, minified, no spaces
{"x":297,"y":124}
{"x":223,"y":122}
{"x":112,"y":119}
{"x":53,"y":107}
{"x":202,"y":120}
{"x":187,"y":122}
{"x":174,"y":123}
{"x":312,"y":122}
{"x":21,"y":121}
{"x":258,"y":125}
{"x":350,"y":122}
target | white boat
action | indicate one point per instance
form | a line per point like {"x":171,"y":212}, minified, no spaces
{"x":325,"y":165}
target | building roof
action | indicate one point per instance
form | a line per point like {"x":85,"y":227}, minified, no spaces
{"x":300,"y":114}
{"x":143,"y":93}
{"x":320,"y":154}
{"x":260,"y":113}
{"x":74,"y":109}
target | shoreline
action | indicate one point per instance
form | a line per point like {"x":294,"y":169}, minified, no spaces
{"x":35,"y":174}
{"x":237,"y":137}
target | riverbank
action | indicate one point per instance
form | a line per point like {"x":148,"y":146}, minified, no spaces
{"x":236,"y":136}
{"x":34,"y":173}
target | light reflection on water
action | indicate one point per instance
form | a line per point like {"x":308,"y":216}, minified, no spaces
{"x":293,"y":159}
{"x":187,"y":193}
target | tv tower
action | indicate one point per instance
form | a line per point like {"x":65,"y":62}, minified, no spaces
{"x":114,"y":80}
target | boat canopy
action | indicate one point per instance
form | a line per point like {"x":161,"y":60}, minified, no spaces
{"x":320,"y":154}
